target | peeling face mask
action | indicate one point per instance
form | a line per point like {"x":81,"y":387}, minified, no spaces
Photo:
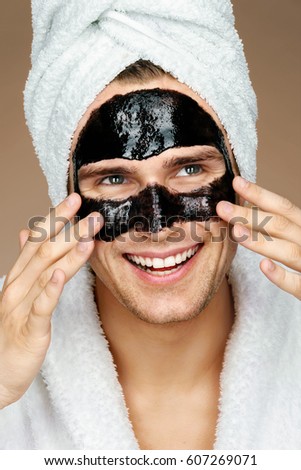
{"x":141,"y":125}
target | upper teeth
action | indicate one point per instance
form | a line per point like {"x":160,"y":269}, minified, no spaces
{"x":164,"y":262}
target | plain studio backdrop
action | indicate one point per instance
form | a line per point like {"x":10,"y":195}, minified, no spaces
{"x":270,"y":30}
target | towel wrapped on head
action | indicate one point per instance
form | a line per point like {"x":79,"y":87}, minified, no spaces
{"x":77,"y":401}
{"x":79,"y":47}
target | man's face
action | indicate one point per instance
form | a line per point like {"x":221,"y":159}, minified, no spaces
{"x":170,"y":274}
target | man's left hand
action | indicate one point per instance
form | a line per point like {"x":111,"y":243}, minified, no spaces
{"x":271,"y":226}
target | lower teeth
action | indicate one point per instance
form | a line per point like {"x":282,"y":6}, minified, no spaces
{"x":159,"y":273}
{"x":162,"y":273}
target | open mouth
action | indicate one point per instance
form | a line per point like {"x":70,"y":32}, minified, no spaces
{"x":163,"y":266}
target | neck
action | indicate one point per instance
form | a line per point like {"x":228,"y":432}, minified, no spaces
{"x":152,"y":357}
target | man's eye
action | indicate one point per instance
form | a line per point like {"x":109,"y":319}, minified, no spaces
{"x":190,"y":170}
{"x":113,"y":179}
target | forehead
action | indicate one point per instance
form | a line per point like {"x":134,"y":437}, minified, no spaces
{"x":167,"y":82}
{"x":118,"y":88}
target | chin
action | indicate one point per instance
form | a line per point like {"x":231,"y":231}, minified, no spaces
{"x":169,"y":309}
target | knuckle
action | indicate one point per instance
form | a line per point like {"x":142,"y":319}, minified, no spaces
{"x":280,"y":223}
{"x":286,"y":205}
{"x":8,"y":321}
{"x":281,"y":274}
{"x":90,"y":225}
{"x":47,"y":294}
{"x":295,"y":254}
{"x":70,"y":258}
{"x":259,"y":239}
{"x":246,"y":213}
{"x":35,"y":308}
{"x":43,"y":280}
{"x":44,"y":252}
{"x":253,"y":213}
{"x":256,"y":190}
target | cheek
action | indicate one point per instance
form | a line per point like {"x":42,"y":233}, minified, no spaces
{"x":101,"y":258}
{"x":216,"y":235}
{"x":218,"y":230}
{"x":221,"y":238}
{"x":212,"y":231}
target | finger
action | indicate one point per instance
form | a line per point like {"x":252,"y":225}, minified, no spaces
{"x":264,"y":222}
{"x":49,"y":253}
{"x":39,"y":320}
{"x":70,"y":265}
{"x":283,"y":251}
{"x":286,"y":280}
{"x":23,"y":237}
{"x":267,"y":200}
{"x":55,"y":221}
{"x":42,"y":231}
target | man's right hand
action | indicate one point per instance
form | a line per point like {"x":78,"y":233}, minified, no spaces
{"x":32,"y":290}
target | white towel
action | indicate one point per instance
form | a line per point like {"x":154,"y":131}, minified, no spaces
{"x":79,"y":47}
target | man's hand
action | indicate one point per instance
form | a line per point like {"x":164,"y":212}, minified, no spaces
{"x":272,"y":229}
{"x":32,"y":290}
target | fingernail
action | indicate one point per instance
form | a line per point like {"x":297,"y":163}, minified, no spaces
{"x":242,"y":183}
{"x":93,"y":223}
{"x":270,"y":266}
{"x":84,"y":244}
{"x":71,"y":200}
{"x":241,"y":231}
{"x":54,"y":278}
{"x":226,"y":207}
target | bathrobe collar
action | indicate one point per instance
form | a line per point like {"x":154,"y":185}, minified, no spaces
{"x":259,"y":404}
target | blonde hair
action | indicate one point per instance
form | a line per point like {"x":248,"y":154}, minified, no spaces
{"x":140,"y":71}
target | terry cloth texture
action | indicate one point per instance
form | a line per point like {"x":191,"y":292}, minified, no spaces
{"x":79,"y":47}
{"x":77,"y":402}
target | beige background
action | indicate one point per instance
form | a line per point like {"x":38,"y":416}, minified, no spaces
{"x":270,"y":30}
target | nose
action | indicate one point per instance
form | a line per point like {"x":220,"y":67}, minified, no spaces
{"x":157,"y":229}
{"x":166,"y":234}
{"x":156,"y":222}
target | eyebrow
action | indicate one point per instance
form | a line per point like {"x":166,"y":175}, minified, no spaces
{"x":86,"y":172}
{"x":89,"y":171}
{"x":173,"y":162}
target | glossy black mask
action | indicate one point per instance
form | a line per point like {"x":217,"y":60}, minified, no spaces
{"x":140,"y":125}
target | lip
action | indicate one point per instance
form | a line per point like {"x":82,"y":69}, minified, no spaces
{"x":151,"y":254}
{"x":168,"y":278}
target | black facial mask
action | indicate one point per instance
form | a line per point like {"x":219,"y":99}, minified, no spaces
{"x":140,"y":125}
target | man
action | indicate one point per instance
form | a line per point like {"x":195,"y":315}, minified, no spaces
{"x":166,"y":319}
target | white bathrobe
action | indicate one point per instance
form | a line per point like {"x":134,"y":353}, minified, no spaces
{"x":76,"y":402}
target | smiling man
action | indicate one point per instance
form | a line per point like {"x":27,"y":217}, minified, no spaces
{"x":164,"y":337}
{"x":171,"y":167}
{"x":164,"y":256}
